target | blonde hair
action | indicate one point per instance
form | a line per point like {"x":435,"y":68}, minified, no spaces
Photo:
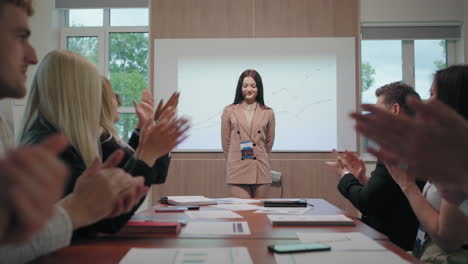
{"x":109,"y":109}
{"x":66,"y":91}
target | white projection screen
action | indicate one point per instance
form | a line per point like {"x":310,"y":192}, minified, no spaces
{"x":309,"y":82}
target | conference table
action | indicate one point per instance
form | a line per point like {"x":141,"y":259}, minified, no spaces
{"x":112,"y":248}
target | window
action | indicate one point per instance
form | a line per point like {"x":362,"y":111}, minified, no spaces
{"x":85,"y":18}
{"x":429,"y":56}
{"x":388,"y":54}
{"x":85,"y":46}
{"x":116,"y":40}
{"x":381,"y":63}
{"x":129,"y":17}
{"x":128,"y":65}
{"x":126,"y":124}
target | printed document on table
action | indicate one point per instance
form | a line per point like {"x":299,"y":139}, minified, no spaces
{"x":283,"y":210}
{"x":235,"y":255}
{"x":238,"y":207}
{"x":216,"y":228}
{"x":361,"y":257}
{"x":341,"y":241}
{"x":215,"y":214}
{"x":236,"y":200}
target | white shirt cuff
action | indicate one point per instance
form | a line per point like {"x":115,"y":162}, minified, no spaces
{"x":464,"y":207}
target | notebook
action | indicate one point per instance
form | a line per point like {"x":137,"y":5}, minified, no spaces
{"x":149,"y":227}
{"x":310,"y":220}
{"x":188,"y":200}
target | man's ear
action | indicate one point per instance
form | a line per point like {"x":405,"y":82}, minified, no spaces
{"x":396,"y":109}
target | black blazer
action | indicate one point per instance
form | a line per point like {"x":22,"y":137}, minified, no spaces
{"x":41,"y":129}
{"x":383,"y":205}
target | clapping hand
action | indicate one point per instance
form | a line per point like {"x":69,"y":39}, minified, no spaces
{"x":339,"y":165}
{"x":355,"y":166}
{"x":145,"y":109}
{"x":162,"y":108}
{"x":33,"y":178}
{"x":159,"y":139}
{"x":103,"y":191}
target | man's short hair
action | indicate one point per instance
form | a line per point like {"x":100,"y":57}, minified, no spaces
{"x":396,"y":93}
{"x":25,"y":4}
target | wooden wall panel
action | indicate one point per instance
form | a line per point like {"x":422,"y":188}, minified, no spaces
{"x":202,"y":19}
{"x":293,"y":18}
{"x":304,"y":174}
{"x":346,"y":18}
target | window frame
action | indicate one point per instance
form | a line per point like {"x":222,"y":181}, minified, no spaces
{"x":103,"y":35}
{"x":408,"y":62}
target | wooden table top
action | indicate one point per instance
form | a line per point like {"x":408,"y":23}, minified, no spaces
{"x":111,"y":249}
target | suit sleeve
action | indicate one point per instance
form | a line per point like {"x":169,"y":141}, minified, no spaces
{"x":225,"y":131}
{"x":156,"y":174}
{"x":134,"y":140}
{"x":270,"y":135}
{"x":371,"y":198}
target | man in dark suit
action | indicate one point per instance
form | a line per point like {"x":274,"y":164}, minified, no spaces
{"x":379,"y":198}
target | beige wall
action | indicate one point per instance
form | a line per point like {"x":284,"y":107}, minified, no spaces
{"x":304,"y":174}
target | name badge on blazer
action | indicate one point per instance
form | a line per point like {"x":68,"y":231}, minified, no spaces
{"x":246,"y":148}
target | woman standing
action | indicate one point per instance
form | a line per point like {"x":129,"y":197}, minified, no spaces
{"x":247,"y":135}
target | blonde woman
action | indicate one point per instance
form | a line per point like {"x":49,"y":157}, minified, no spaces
{"x":111,"y":141}
{"x":66,"y":97}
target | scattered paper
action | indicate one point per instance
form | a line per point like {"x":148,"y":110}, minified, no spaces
{"x":236,"y":255}
{"x":214,"y":214}
{"x":216,"y":228}
{"x":283,"y":210}
{"x":236,"y":200}
{"x":238,"y":207}
{"x":361,"y":257}
{"x":341,"y":241}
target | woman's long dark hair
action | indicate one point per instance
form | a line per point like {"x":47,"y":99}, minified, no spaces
{"x":258,"y":80}
{"x":452,"y":88}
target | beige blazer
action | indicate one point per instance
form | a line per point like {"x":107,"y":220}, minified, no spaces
{"x":234,"y":130}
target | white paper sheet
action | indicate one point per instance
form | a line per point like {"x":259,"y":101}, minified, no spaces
{"x":341,"y":241}
{"x":216,"y":228}
{"x":207,"y":214}
{"x":236,"y":200}
{"x":236,"y":255}
{"x":283,"y":210}
{"x":351,"y":257}
{"x":238,"y":207}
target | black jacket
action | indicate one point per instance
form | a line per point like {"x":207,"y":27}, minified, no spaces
{"x":41,"y":129}
{"x":383,"y":205}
